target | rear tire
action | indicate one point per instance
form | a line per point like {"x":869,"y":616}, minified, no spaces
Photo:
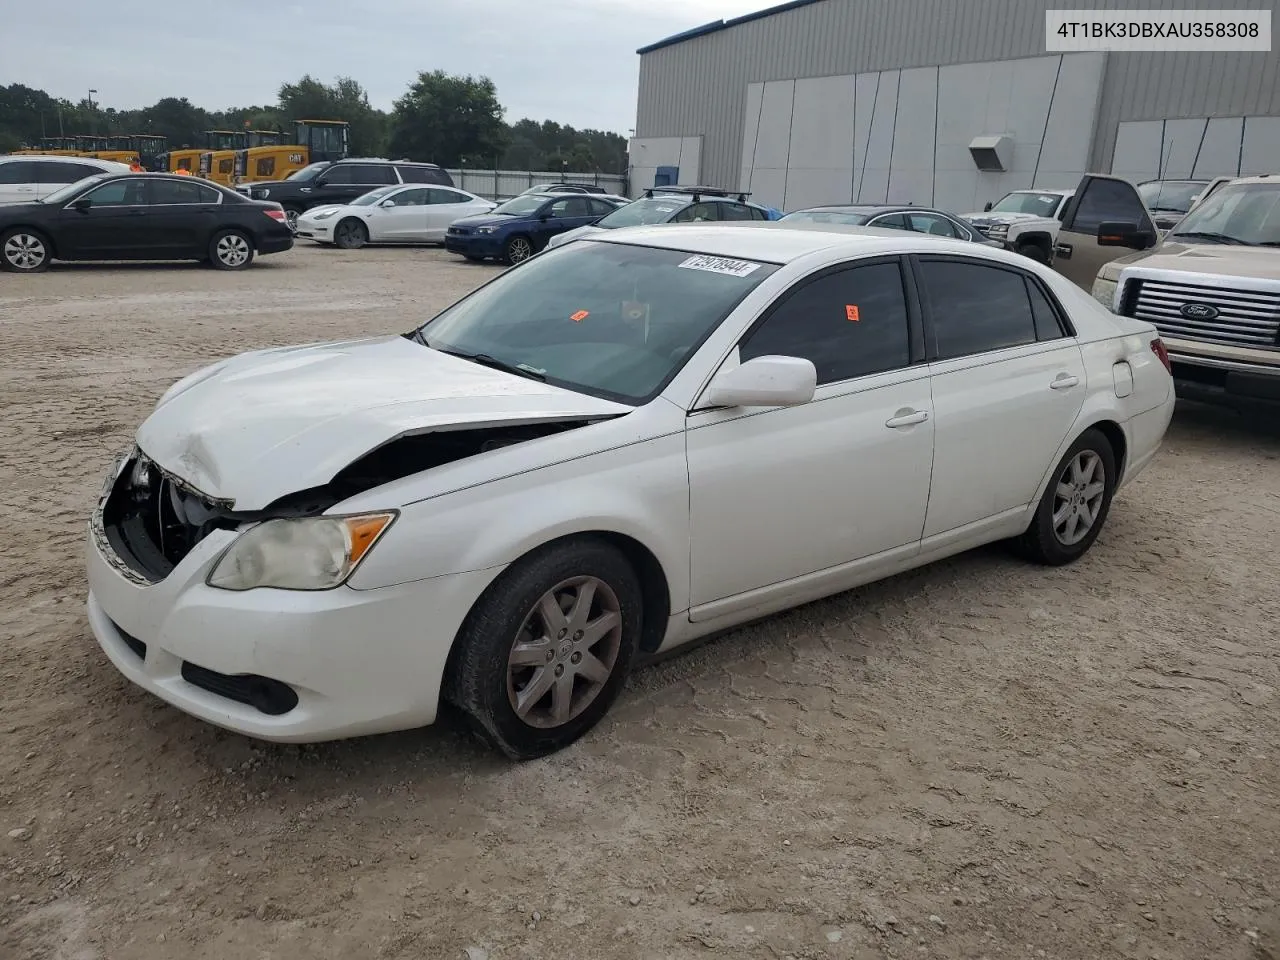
{"x":350,"y":234}
{"x":230,"y":250}
{"x":291,"y":215}
{"x":1075,"y":505}
{"x":532,"y":682}
{"x":23,"y":250}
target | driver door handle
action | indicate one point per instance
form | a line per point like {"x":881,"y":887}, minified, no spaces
{"x":1064,"y":381}
{"x":907,"y":418}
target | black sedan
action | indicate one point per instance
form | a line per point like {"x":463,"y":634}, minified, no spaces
{"x":917,"y":219}
{"x":141,"y":216}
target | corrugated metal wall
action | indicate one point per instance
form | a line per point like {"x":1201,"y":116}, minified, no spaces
{"x":699,"y":87}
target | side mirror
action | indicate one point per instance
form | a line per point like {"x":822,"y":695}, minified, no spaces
{"x":765,"y":382}
{"x":544,"y":217}
{"x":390,"y":202}
{"x":82,"y":204}
{"x":987,"y":206}
{"x":1122,"y":234}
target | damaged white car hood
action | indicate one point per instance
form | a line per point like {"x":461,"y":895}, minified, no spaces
{"x":262,"y":425}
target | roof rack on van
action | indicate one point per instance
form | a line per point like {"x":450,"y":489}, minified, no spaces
{"x":697,"y":192}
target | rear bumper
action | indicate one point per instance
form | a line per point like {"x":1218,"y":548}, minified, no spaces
{"x":275,"y":244}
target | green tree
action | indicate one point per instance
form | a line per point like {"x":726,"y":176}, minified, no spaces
{"x":309,"y":99}
{"x":444,"y":118}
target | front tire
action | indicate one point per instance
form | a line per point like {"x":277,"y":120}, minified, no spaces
{"x":517,"y":250}
{"x":547,"y":648}
{"x":1034,"y":252}
{"x":23,"y":250}
{"x":230,"y":250}
{"x":1075,"y":505}
{"x":350,"y":234}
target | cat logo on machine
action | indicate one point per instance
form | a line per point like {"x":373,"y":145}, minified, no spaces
{"x":296,"y":158}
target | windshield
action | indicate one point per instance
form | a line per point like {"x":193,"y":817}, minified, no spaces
{"x":308,"y":172}
{"x":608,"y":319}
{"x":1040,"y":204}
{"x":1243,"y":213}
{"x":826,"y":216}
{"x":71,"y":189}
{"x":1169,"y":196}
{"x":373,"y":196}
{"x":657,"y":210}
{"x":536,"y":188}
{"x":519,"y":206}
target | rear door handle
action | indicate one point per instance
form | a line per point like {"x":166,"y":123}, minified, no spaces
{"x":907,"y":418}
{"x":137,"y":213}
{"x":1064,"y":381}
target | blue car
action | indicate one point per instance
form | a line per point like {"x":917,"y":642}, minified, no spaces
{"x":514,"y":231}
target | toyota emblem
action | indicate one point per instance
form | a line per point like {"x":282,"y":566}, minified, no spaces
{"x":1199,"y":311}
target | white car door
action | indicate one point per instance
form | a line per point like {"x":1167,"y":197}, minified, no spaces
{"x":445,"y":207}
{"x":1008,"y":384}
{"x":401,"y":217}
{"x":19,"y":181}
{"x":779,"y":493}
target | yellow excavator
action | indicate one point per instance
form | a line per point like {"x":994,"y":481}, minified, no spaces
{"x":188,"y":158}
{"x":55,"y":147}
{"x":314,"y":141}
{"x":136,"y":149}
{"x":222,"y":163}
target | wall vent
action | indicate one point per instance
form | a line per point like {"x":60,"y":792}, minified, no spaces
{"x":992,"y":154}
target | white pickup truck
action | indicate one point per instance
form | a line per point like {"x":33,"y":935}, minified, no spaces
{"x":1025,"y":221}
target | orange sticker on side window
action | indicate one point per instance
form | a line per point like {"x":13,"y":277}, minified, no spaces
{"x":580,"y":316}
{"x":851,"y":313}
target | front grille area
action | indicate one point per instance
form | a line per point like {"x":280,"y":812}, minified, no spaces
{"x":152,"y":522}
{"x":133,"y":643}
{"x":1244,"y":318}
{"x":262,"y":693}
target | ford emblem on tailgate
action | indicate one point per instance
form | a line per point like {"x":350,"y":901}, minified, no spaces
{"x":1199,"y":311}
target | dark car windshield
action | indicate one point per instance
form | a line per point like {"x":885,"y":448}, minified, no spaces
{"x":1040,"y":204}
{"x":71,"y":189}
{"x":608,"y":319}
{"x":519,"y":206}
{"x":826,"y":216}
{"x":657,"y":210}
{"x":308,"y":172}
{"x":1240,"y":213}
{"x":1169,"y":196}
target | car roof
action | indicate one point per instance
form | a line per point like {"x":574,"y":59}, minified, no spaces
{"x":870,"y":208}
{"x":1059,"y":191}
{"x":45,"y":158}
{"x":1259,"y":178}
{"x":777,"y":242}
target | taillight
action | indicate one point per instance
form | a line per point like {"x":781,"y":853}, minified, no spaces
{"x":279,"y":215}
{"x":1159,"y":349}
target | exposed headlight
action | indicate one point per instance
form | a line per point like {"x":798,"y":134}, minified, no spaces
{"x":263,"y":193}
{"x":485,"y":229}
{"x":1104,"y":291}
{"x":323,"y":215}
{"x":315,"y":553}
{"x":998,"y":230}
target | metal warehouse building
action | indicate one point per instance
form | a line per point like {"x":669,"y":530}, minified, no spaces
{"x":943,"y":102}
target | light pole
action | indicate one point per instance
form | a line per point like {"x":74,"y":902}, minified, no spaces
{"x":93,"y":121}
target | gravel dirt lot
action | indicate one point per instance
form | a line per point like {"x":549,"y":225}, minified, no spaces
{"x":979,"y":759}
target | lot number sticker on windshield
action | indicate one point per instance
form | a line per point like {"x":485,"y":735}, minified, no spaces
{"x":732,"y":268}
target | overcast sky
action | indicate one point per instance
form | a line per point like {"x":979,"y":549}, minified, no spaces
{"x":572,"y":61}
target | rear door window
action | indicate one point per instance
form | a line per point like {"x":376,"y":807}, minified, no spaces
{"x":175,"y":192}
{"x":1104,"y":200}
{"x":975,"y":308}
{"x":424,"y":175}
{"x":19,"y":171}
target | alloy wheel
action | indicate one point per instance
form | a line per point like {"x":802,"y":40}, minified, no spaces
{"x":1078,"y":497}
{"x":233,"y":250}
{"x":564,"y":652}
{"x":291,"y":218}
{"x":25,"y":251}
{"x":519,"y":250}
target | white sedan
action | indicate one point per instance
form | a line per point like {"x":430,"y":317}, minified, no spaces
{"x":399,"y":214}
{"x":606,"y":452}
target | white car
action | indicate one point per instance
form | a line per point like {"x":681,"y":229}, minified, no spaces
{"x":603,"y":453}
{"x":1024,"y":221}
{"x":399,"y":214}
{"x":30,"y":178}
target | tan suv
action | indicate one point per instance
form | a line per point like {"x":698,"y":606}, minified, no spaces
{"x":1211,"y":285}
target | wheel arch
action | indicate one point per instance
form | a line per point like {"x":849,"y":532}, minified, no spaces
{"x":1035,"y":238}
{"x":1104,"y":424}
